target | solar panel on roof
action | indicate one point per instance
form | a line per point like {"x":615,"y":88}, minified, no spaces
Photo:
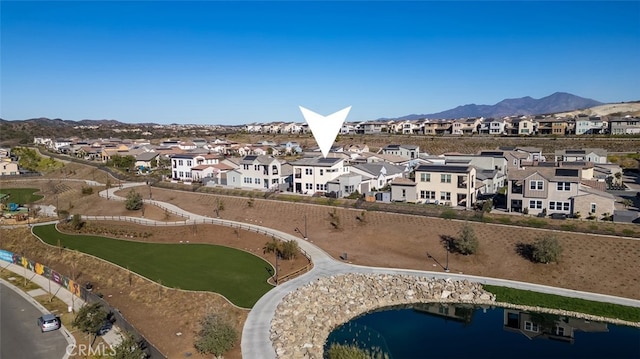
{"x":327,"y":160}
{"x":565,"y":172}
{"x":250,"y":158}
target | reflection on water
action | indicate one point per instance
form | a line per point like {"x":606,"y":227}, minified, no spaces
{"x":461,"y":331}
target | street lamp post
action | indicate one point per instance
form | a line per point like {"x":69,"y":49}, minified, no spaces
{"x":446,"y":268}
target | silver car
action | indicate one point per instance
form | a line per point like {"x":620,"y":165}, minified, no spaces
{"x":48,"y":322}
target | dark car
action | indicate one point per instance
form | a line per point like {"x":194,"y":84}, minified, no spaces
{"x":558,"y":216}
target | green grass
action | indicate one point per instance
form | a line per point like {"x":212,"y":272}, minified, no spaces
{"x":552,"y":301}
{"x":239,"y":276}
{"x":21,"y":195}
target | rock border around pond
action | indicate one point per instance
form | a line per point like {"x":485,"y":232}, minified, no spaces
{"x":305,"y":317}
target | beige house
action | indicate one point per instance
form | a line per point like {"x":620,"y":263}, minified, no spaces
{"x":448,"y":185}
{"x":9,"y":168}
{"x":403,"y":190}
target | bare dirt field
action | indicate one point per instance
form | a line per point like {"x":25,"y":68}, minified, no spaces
{"x":592,"y":263}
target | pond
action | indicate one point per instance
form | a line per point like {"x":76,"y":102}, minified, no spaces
{"x":464,"y":331}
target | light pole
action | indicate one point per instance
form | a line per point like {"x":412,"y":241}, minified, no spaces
{"x":297,"y":230}
{"x":446,"y":268}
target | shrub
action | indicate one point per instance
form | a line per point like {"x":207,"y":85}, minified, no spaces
{"x":466,"y":242}
{"x":448,"y":214}
{"x":216,"y":336}
{"x":77,"y":222}
{"x":546,"y":249}
{"x":87,"y":190}
{"x":134,"y":201}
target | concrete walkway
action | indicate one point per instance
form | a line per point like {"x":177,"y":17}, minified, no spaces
{"x":255,"y":335}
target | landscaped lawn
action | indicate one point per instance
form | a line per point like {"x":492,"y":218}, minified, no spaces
{"x":21,"y":195}
{"x":240,"y":276}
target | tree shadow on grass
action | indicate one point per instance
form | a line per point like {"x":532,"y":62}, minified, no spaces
{"x":525,"y":250}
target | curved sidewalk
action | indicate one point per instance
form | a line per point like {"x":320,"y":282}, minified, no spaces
{"x":255,"y":341}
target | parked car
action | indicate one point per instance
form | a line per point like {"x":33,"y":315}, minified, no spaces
{"x":558,"y":216}
{"x":48,"y":323}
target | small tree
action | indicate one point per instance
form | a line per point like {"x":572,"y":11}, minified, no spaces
{"x":289,"y":250}
{"x":77,"y":222}
{"x":546,"y":249}
{"x":216,"y":336}
{"x":129,"y":348}
{"x":90,"y":318}
{"x":466,"y":242}
{"x":219,"y":207}
{"x":134,"y":201}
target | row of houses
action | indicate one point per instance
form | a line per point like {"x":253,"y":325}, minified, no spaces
{"x":575,"y":182}
{"x":514,"y":125}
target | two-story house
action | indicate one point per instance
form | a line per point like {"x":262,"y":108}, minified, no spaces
{"x":310,"y":175}
{"x":595,"y":155}
{"x":522,"y":127}
{"x":9,"y":168}
{"x":448,"y":185}
{"x":380,"y":173}
{"x":540,"y":189}
{"x":585,"y":125}
{"x":405,"y":151}
{"x":257,"y":172}
{"x":624,"y":125}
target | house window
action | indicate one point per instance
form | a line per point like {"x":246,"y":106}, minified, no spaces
{"x":188,"y":162}
{"x":445,"y":196}
{"x":246,"y":167}
{"x":559,"y":331}
{"x":308,"y":171}
{"x":308,"y":186}
{"x":531,"y":327}
{"x":179,"y":162}
{"x":181,"y":174}
{"x":349,"y":189}
{"x":536,"y":185}
{"x":274,"y":181}
{"x":445,"y":178}
{"x":256,"y":167}
{"x":593,"y":208}
{"x":535,"y":204}
{"x":257,"y":180}
{"x":425,"y":177}
{"x":321,"y":172}
{"x":404,"y":193}
{"x":427,"y":194}
{"x":564,"y":186}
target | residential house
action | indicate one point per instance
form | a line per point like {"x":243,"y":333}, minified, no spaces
{"x":442,"y":127}
{"x":260,"y":172}
{"x":409,"y":127}
{"x":345,"y":185}
{"x":595,"y":155}
{"x":624,"y":125}
{"x":403,"y":190}
{"x":522,"y":127}
{"x":405,"y":151}
{"x":493,"y":126}
{"x":466,"y":126}
{"x":548,"y":190}
{"x":380,"y":173}
{"x":60,"y":142}
{"x":147,"y":160}
{"x":552,"y":126}
{"x":594,"y":125}
{"x":448,"y":185}
{"x":374,"y":127}
{"x":310,"y":175}
{"x":9,"y":168}
{"x":356,"y":148}
{"x":181,"y":165}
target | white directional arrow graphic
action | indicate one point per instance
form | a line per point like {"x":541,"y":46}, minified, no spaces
{"x":325,"y":128}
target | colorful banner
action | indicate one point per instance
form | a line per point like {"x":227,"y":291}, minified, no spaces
{"x":66,"y":282}
{"x":6,"y":256}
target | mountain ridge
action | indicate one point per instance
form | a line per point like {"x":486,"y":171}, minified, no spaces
{"x":527,"y":105}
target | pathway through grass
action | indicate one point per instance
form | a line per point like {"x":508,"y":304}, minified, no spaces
{"x":240,"y":276}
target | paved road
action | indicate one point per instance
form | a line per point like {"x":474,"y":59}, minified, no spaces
{"x":20,"y":336}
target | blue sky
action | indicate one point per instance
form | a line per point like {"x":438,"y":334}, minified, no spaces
{"x":215,"y":62}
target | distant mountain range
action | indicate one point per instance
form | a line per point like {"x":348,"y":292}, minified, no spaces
{"x":558,"y":102}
